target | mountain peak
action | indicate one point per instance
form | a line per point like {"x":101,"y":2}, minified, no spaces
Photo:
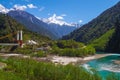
{"x":118,"y":3}
{"x":56,"y":20}
{"x":36,"y":24}
{"x":3,"y":9}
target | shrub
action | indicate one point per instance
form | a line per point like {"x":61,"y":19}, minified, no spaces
{"x":39,"y":54}
{"x":26,"y":69}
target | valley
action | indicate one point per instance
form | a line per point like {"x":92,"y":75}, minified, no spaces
{"x":50,"y":48}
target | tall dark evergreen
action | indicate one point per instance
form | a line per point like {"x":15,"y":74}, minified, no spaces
{"x":114,"y":43}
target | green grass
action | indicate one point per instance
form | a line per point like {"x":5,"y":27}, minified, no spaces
{"x":26,"y":69}
{"x":71,"y":48}
{"x":100,"y":43}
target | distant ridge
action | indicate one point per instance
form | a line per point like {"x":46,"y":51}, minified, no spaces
{"x":8,"y":25}
{"x":31,"y":22}
{"x":51,"y":30}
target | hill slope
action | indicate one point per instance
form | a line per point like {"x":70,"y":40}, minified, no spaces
{"x":114,"y":42}
{"x":43,"y":27}
{"x":10,"y":26}
{"x":60,"y":30}
{"x":31,"y":23}
{"x":100,"y":43}
{"x":7,"y":26}
{"x":97,"y":27}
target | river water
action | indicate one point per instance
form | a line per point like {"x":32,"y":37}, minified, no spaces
{"x":104,"y":66}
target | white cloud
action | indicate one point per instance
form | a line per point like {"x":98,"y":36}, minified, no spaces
{"x":80,"y":21}
{"x":19,"y":7}
{"x":16,"y":7}
{"x":42,"y":8}
{"x":31,"y":6}
{"x":3,"y":9}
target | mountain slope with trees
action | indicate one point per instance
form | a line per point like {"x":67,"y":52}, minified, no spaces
{"x":9,"y":26}
{"x":97,"y":27}
{"x":114,"y":42}
{"x":100,"y":43}
{"x":51,"y":30}
{"x":31,"y":23}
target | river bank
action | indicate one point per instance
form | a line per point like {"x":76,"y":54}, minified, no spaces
{"x":76,"y":60}
{"x":58,"y":59}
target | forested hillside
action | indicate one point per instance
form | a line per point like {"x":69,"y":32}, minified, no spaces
{"x":97,"y":27}
{"x":100,"y":43}
{"x":11,"y":26}
{"x":31,"y":23}
{"x":8,"y":26}
{"x":8,"y":32}
{"x":114,"y":42}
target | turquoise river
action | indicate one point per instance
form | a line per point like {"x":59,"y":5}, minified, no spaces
{"x":104,"y":66}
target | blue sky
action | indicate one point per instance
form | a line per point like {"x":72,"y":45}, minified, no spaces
{"x":69,"y":10}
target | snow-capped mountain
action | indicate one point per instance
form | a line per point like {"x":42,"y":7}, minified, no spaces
{"x":57,"y":20}
{"x":3,"y":9}
{"x":54,"y":27}
{"x":31,"y":22}
{"x":58,"y":26}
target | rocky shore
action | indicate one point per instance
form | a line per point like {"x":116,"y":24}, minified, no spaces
{"x":59,"y":59}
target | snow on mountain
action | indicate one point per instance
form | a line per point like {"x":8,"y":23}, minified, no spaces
{"x":3,"y":9}
{"x":55,"y":26}
{"x":56,"y":20}
{"x":31,"y":22}
{"x":58,"y":26}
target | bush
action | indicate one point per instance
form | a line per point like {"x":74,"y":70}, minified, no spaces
{"x":39,"y":54}
{"x":74,"y":52}
{"x":26,"y":69}
{"x":69,"y":44}
{"x":72,"y":49}
{"x":24,"y":51}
